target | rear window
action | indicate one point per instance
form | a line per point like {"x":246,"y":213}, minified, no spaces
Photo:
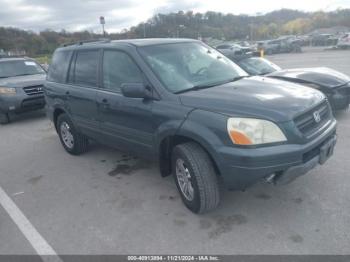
{"x":59,"y":66}
{"x":20,"y":68}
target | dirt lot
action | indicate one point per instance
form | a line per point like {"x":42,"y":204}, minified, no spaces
{"x":107,"y":202}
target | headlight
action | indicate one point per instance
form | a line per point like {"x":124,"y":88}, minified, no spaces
{"x":250,"y":131}
{"x":7,"y":91}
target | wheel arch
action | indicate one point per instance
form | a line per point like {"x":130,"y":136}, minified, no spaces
{"x":167,"y":144}
{"x":56,"y":113}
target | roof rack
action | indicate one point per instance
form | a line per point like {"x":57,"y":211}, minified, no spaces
{"x":92,"y":41}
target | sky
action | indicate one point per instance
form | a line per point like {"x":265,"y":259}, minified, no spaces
{"x":77,"y":15}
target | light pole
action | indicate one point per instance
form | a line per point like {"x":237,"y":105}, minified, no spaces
{"x":144,"y":30}
{"x":103,"y":22}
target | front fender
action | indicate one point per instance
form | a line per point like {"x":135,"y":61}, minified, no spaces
{"x":167,"y":129}
{"x":209,"y":129}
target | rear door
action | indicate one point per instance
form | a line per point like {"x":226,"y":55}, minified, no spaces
{"x":126,"y":122}
{"x":81,"y":94}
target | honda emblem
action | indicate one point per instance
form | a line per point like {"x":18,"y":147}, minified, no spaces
{"x":317,"y":116}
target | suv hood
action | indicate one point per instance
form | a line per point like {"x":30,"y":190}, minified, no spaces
{"x":321,"y":76}
{"x":23,"y":81}
{"x":256,"y":96}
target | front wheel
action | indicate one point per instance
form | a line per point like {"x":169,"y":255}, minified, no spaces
{"x":195,"y":177}
{"x":73,"y":142}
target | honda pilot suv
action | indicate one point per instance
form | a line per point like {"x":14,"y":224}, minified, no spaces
{"x":21,"y":86}
{"x":186,"y":105}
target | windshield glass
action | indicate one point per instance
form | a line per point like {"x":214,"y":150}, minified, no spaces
{"x":19,"y":67}
{"x":183,"y":66}
{"x":258,"y":66}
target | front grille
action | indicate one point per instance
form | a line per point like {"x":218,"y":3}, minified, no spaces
{"x":33,"y":90}
{"x":306,"y":122}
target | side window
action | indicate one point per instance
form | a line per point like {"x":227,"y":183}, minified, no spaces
{"x":59,"y":66}
{"x":119,"y":68}
{"x":86,"y":66}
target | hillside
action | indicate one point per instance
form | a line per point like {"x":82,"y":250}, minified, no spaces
{"x":186,"y":24}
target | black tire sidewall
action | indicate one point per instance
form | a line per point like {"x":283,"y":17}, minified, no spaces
{"x":65,"y":118}
{"x":4,"y":118}
{"x":193,"y":205}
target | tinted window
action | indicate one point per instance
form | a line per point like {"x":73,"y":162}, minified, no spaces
{"x":59,"y":66}
{"x":86,"y":66}
{"x":258,"y":66}
{"x":119,"y":68}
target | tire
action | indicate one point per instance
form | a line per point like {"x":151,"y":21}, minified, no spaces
{"x":73,"y":142}
{"x":201,"y":174}
{"x":4,"y":118}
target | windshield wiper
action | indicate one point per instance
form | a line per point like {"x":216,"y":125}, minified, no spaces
{"x":204,"y":86}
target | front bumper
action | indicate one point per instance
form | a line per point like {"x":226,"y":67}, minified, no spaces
{"x":243,"y":167}
{"x":21,"y":103}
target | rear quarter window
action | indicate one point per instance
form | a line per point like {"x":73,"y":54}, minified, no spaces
{"x":86,"y":67}
{"x":59,"y":66}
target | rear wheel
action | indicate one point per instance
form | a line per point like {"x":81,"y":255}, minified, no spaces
{"x":4,"y":118}
{"x":73,"y":142}
{"x":195,"y":177}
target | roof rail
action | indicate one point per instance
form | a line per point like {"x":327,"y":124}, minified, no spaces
{"x":92,"y":41}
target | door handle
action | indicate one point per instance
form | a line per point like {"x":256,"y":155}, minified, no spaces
{"x":105,"y":101}
{"x":67,"y":93}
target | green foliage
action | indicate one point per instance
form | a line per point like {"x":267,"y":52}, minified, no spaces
{"x":184,"y":24}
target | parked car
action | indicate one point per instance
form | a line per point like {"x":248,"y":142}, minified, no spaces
{"x":269,"y":47}
{"x":280,"y":46}
{"x":344,"y":41}
{"x":335,"y":85}
{"x":323,"y":40}
{"x":184,"y":104}
{"x":21,"y":86}
{"x":234,"y":49}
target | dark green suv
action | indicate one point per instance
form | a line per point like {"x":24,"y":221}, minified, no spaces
{"x":186,"y":105}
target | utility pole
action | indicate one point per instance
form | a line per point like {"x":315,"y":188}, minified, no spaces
{"x":144,"y":30}
{"x":179,"y":28}
{"x":103,"y":22}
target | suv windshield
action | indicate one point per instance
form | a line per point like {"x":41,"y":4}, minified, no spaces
{"x":258,"y":66}
{"x":19,"y":68}
{"x":185,"y":66}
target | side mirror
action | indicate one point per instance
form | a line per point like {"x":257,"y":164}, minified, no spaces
{"x":136,"y":90}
